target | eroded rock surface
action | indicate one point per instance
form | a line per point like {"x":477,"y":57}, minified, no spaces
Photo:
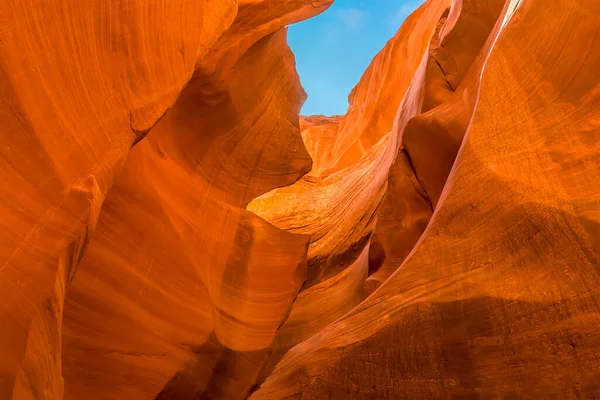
{"x":172,"y":229}
{"x":499,"y":296}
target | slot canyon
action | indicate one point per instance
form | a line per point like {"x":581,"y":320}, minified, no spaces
{"x":171,"y":228}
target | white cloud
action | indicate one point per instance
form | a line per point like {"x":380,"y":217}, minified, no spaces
{"x":331,"y":34}
{"x":352,"y":18}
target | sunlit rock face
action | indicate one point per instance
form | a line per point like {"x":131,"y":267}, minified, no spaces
{"x":172,"y":229}
{"x":498,"y":296}
{"x":174,"y":279}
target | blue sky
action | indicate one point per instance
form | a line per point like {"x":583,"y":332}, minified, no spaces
{"x":334,"y":48}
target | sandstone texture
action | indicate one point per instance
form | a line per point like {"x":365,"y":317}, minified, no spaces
{"x":171,"y":228}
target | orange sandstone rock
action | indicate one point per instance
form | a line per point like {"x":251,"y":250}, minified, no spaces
{"x":339,"y":209}
{"x":499,"y":296}
{"x":171,"y":230}
{"x":192,"y":245}
{"x":80,"y":83}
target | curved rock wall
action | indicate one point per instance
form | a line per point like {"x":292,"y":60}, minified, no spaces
{"x":499,"y":296}
{"x":172,"y":229}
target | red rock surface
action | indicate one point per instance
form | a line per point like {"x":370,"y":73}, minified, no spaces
{"x":499,"y":296}
{"x":165,"y":234}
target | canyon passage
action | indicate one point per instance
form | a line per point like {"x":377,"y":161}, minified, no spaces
{"x":172,"y":228}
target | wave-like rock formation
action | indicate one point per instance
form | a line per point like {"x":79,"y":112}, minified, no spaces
{"x":172,"y":229}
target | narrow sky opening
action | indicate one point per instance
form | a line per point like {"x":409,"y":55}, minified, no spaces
{"x":334,"y":49}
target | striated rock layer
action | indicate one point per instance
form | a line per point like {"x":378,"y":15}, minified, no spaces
{"x":172,"y":229}
{"x":184,"y":283}
{"x":80,"y":86}
{"x":499,"y":296}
